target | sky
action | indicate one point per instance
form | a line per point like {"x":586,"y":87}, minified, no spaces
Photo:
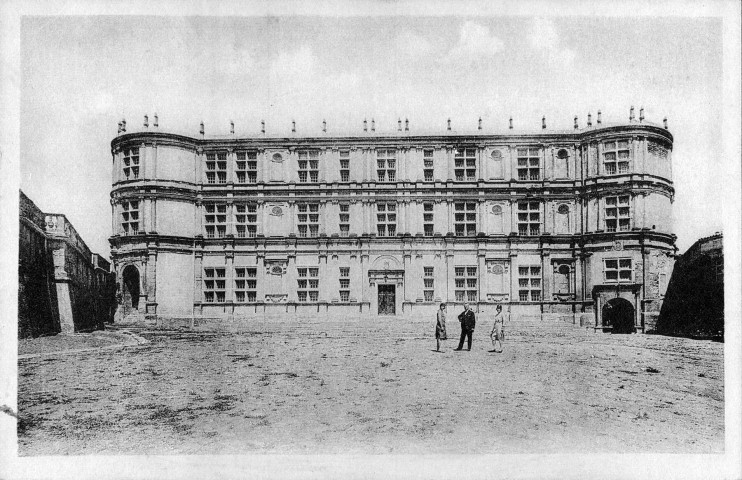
{"x":81,"y":75}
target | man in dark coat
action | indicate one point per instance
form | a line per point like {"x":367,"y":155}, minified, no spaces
{"x":467,"y":326}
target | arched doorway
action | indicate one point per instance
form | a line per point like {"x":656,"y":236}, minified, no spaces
{"x":618,"y":313}
{"x":130,"y":295}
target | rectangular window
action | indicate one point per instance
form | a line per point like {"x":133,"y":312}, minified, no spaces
{"x":386,"y":165}
{"x":215,"y":220}
{"x":617,"y":214}
{"x":344,"y":284}
{"x":428,"y":170}
{"x":308,"y":166}
{"x":131,"y":163}
{"x":465,"y":219}
{"x":529,"y":218}
{"x":246,"y":167}
{"x":529,"y":283}
{"x":616,"y":157}
{"x":308,"y":284}
{"x":466,"y":284}
{"x":130,"y":217}
{"x":344,"y":220}
{"x":245,"y":285}
{"x":344,"y":165}
{"x":216,"y":167}
{"x":246,"y":220}
{"x":617,"y":270}
{"x":386,"y":219}
{"x":308,"y":219}
{"x":465,"y":160}
{"x":428,"y":222}
{"x":528,"y":164}
{"x":428,"y":284}
{"x":215,"y":285}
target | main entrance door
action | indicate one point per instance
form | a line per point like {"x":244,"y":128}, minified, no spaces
{"x":387,"y":299}
{"x":618,"y":313}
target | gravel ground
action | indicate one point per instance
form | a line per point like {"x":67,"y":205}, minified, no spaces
{"x":376,"y":388}
{"x":63,"y":343}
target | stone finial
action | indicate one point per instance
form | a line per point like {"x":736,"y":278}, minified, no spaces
{"x":406,"y":125}
{"x":631,"y":114}
{"x":262,"y":126}
{"x":146,"y":121}
{"x":293,"y":126}
{"x":664,"y":121}
{"x":373,"y":125}
{"x":201,"y":130}
{"x":543,"y":122}
{"x":231,"y":127}
{"x":589,"y":119}
{"x":365,"y":125}
{"x":448,"y":125}
{"x":511,"y":123}
{"x":641,"y":114}
{"x":123,"y":125}
{"x":600,"y":118}
{"x":324,"y":125}
{"x":156,"y":121}
{"x":576,"y":126}
{"x":399,"y":124}
{"x":479,"y":124}
{"x":119,"y":132}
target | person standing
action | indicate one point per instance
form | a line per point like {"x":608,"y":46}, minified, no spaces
{"x":440,"y":327}
{"x":498,"y":334}
{"x":468,"y":321}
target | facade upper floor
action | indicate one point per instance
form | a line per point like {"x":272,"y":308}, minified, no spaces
{"x":631,"y":150}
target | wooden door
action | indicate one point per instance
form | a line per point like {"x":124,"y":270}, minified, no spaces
{"x":387,"y":300}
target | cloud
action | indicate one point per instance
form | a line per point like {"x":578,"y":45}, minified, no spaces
{"x":545,"y":39}
{"x":475,"y":43}
{"x":414,"y":44}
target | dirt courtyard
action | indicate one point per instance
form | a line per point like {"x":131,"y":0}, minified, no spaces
{"x":360,"y":387}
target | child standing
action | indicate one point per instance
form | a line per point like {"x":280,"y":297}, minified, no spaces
{"x":440,"y":327}
{"x":498,"y":335}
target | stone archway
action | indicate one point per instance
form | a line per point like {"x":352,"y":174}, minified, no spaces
{"x":618,"y":314}
{"x":130,"y":290}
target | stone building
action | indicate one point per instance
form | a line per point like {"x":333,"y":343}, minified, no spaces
{"x":571,"y":223}
{"x":694,"y":304}
{"x":62,"y":285}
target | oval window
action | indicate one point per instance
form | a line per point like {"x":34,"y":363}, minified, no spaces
{"x":562,"y":154}
{"x":496,"y":155}
{"x":277,"y":157}
{"x":563,"y":209}
{"x":277,"y":211}
{"x":277,"y":270}
{"x":497,"y":210}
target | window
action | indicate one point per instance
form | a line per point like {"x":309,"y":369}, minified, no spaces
{"x":428,"y":284}
{"x":529,"y":283}
{"x":529,"y":218}
{"x":428,"y":219}
{"x":344,"y":284}
{"x":465,"y":219}
{"x":214,"y":285}
{"x":245,"y":285}
{"x":617,"y":270}
{"x":216,"y":167}
{"x":246,"y":220}
{"x":131,"y":163}
{"x":617,"y":214}
{"x":215,"y":219}
{"x":428,"y":165}
{"x":528,"y":164}
{"x":465,"y":160}
{"x":719,"y":270}
{"x":386,"y":165}
{"x":386,"y":219}
{"x":344,"y":219}
{"x":309,"y":166}
{"x":616,"y":157}
{"x":130,"y":217}
{"x":466,"y":284}
{"x":246,"y":167}
{"x":344,"y":165}
{"x":308,"y":219}
{"x":308,"y":284}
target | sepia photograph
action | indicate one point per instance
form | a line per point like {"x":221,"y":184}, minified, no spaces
{"x":370,"y":240}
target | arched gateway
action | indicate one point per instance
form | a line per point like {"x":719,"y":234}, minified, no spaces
{"x":618,"y":315}
{"x":130,"y":300}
